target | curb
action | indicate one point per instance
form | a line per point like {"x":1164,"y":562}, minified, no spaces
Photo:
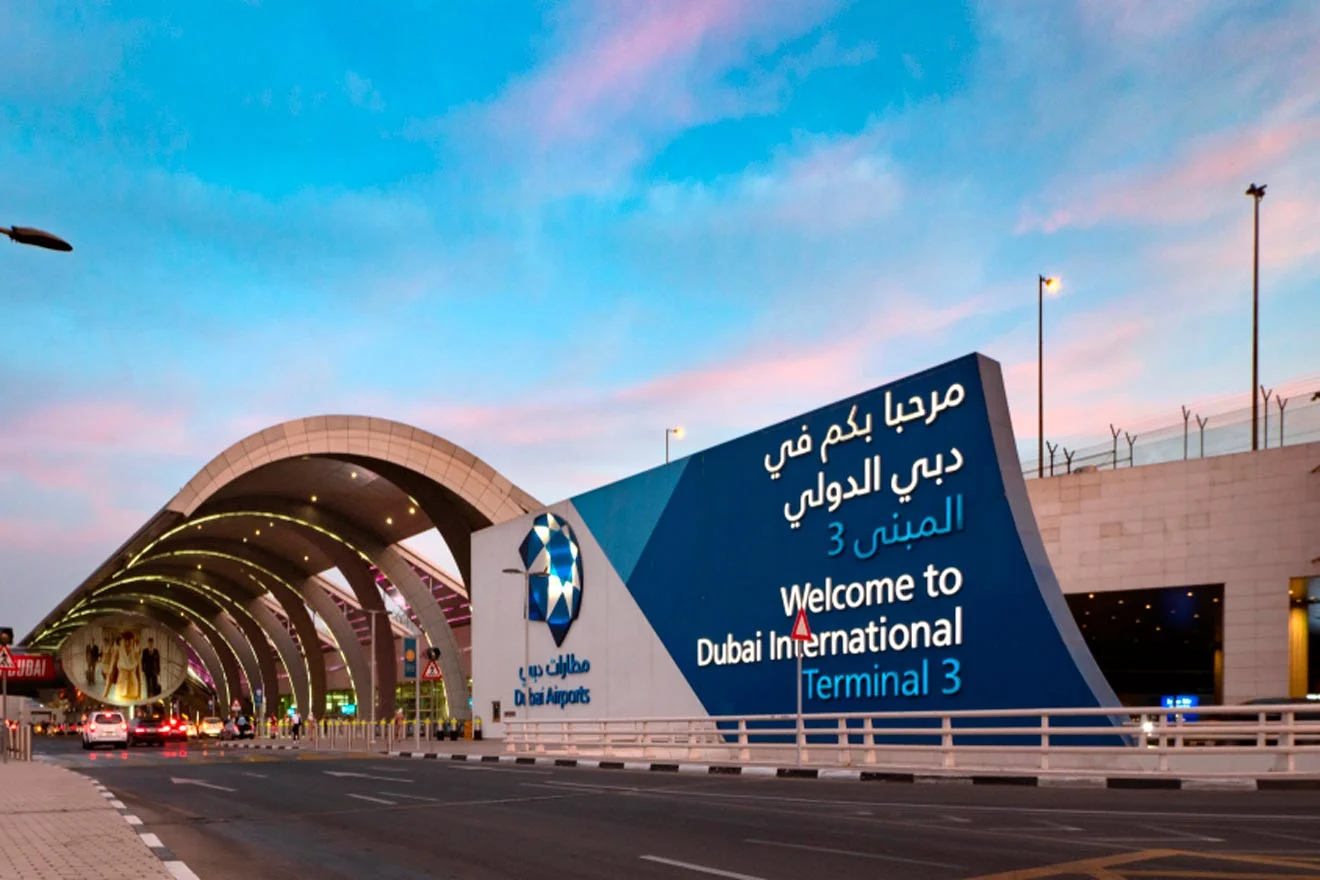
{"x":847,"y":775}
{"x":1129,"y":782}
{"x":177,"y":868}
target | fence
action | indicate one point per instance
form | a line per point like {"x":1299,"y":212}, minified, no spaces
{"x":369,"y":736}
{"x":1198,"y":435}
{"x":1215,"y":741}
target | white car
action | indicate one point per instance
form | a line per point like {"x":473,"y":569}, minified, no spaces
{"x":105,"y":728}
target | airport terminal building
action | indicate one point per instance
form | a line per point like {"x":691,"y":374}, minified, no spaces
{"x":898,"y":521}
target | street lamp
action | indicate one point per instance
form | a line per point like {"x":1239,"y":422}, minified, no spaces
{"x":1257,"y":193}
{"x":527,"y":616}
{"x":36,"y":237}
{"x":374,"y":612}
{"x":1050,"y":284}
{"x":678,"y":435}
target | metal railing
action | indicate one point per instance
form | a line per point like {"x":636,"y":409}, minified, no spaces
{"x":1215,"y":740}
{"x":348,"y":735}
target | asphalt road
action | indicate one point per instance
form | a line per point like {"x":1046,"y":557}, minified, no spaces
{"x":241,"y":814}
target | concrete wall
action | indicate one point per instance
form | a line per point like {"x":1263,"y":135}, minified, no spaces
{"x":1249,"y":521}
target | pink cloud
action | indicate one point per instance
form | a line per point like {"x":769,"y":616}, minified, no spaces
{"x":1191,"y":186}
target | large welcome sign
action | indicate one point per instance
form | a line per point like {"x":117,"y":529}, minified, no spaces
{"x":897,"y":519}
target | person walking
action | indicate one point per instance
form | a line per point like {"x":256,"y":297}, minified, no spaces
{"x":296,"y":725}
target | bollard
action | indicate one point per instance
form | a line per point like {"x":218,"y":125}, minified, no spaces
{"x":476,"y":728}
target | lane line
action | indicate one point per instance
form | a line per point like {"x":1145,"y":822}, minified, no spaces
{"x":700,"y":869}
{"x":254,"y":775}
{"x":374,"y":800}
{"x":850,"y":852}
{"x":411,"y":797}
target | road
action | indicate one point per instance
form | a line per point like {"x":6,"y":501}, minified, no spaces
{"x":241,"y":814}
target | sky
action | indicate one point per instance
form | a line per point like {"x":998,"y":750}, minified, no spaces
{"x":546,"y":231}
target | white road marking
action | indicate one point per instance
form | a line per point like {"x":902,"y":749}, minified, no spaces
{"x":117,"y":804}
{"x":151,"y":840}
{"x":850,"y":852}
{"x":411,"y":797}
{"x":254,"y":775}
{"x":182,"y":781}
{"x":132,"y":820}
{"x":345,"y":773}
{"x":364,"y":797}
{"x":700,"y":869}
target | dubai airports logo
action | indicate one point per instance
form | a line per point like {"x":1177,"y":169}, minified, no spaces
{"x":554,"y":584}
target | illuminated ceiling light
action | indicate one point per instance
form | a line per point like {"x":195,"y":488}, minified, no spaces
{"x":1189,"y":592}
{"x":389,"y":520}
{"x":199,"y":566}
{"x":1196,"y":615}
{"x":313,"y":499}
{"x":199,"y":528}
{"x":1090,"y":595}
{"x":245,"y":540}
{"x":353,"y":475}
{"x":271,"y":524}
{"x":1120,"y":601}
{"x":1147,"y":607}
{"x":1215,"y":599}
{"x":258,"y":531}
{"x":411,"y":511}
{"x":307,"y":559}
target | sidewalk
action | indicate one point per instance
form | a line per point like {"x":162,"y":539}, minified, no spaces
{"x":55,"y":823}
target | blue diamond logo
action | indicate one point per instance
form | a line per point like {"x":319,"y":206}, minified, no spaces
{"x":550,"y":552}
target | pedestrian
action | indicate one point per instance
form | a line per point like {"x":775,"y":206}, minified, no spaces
{"x":295,"y":722}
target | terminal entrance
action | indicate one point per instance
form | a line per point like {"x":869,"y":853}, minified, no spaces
{"x":1152,"y":644}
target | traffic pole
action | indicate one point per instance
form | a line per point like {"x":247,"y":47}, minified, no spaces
{"x":797,"y":649}
{"x":417,"y":711}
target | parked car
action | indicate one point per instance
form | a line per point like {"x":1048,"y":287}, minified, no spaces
{"x":190,"y":729}
{"x":157,"y":730}
{"x":105,"y":728}
{"x":238,"y":728}
{"x":211,"y":728}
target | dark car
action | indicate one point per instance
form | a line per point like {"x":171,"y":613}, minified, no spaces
{"x":157,"y":730}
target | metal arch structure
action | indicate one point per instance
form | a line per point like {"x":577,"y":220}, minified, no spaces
{"x":345,"y":491}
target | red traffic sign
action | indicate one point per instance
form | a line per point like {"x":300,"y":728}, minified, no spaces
{"x":431,"y":672}
{"x":7,"y":664}
{"x":801,"y":629}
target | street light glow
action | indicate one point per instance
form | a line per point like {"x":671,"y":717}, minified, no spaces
{"x":1051,"y":284}
{"x":679,"y":432}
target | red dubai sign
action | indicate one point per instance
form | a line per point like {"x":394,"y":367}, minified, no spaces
{"x":28,"y":667}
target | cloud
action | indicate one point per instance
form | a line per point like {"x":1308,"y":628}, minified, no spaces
{"x":361,"y":93}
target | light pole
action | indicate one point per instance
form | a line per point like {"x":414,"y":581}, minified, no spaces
{"x":1045,"y":284}
{"x":527,"y":615}
{"x":678,"y":433}
{"x":374,"y":612}
{"x":35,"y":237}
{"x":1257,"y":193}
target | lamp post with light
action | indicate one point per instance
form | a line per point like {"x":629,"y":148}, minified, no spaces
{"x":374,"y":612}
{"x":527,"y":616}
{"x":678,"y":433}
{"x":1256,"y":193}
{"x":1051,"y":284}
{"x":35,"y":237}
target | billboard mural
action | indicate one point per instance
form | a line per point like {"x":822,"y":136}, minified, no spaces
{"x":897,"y":518}
{"x":124,"y":660}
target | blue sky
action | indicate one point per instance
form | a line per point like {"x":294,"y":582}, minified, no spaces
{"x":546,"y":231}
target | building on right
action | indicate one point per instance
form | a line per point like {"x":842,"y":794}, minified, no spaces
{"x":1194,"y":578}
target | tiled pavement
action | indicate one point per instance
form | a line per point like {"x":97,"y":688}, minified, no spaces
{"x":57,"y":824}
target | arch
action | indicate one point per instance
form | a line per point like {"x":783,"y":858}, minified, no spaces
{"x":371,"y":549}
{"x":276,"y":575}
{"x":232,"y":600}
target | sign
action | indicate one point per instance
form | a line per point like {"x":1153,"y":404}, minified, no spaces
{"x":432,"y":671}
{"x":125,"y":660}
{"x":409,"y":659}
{"x":801,"y":629}
{"x":897,"y":518}
{"x":27,"y":667}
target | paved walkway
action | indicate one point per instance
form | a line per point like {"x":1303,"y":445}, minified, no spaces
{"x":54,"y":823}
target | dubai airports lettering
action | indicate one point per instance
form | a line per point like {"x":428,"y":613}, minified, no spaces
{"x":941,"y":626}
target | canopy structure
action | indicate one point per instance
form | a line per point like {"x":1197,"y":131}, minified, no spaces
{"x":239,"y":563}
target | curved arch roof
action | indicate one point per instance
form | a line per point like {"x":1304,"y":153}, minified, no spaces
{"x":267,"y":517}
